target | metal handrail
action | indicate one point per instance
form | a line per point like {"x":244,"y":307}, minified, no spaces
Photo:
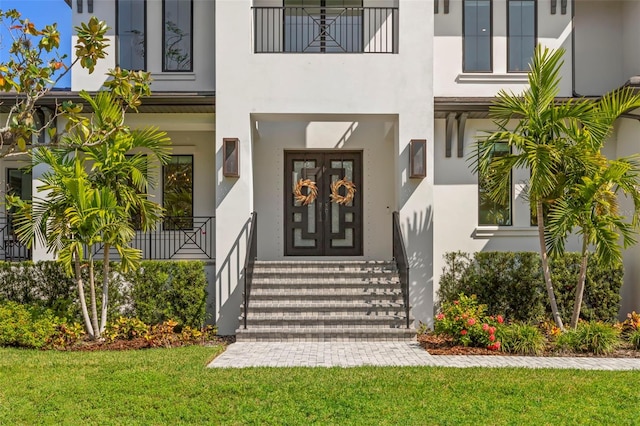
{"x":11,"y":249}
{"x":402,"y":262}
{"x":249,"y":262}
{"x":325,"y":29}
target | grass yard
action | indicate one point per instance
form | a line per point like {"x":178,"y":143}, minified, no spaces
{"x":172,"y":386}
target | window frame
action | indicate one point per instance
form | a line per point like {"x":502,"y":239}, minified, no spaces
{"x":164,"y":34}
{"x":144,"y":47}
{"x":464,"y":70}
{"x":535,"y":33}
{"x":172,"y":228}
{"x":510,"y":201}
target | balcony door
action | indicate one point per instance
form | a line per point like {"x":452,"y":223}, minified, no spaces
{"x":329,"y":223}
{"x":323,"y":26}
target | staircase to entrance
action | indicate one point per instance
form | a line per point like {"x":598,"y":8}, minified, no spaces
{"x":325,"y":301}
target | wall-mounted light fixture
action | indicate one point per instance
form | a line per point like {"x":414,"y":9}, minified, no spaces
{"x":230,"y":157}
{"x":418,"y":158}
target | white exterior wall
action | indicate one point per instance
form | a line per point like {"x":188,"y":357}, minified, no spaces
{"x":318,"y":84}
{"x":201,"y":79}
{"x":449,"y":80}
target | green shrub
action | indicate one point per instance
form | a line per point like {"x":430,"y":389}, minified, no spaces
{"x":467,"y":323}
{"x":512,"y":283}
{"x":634,"y":339}
{"x":158,"y":291}
{"x":593,"y":337}
{"x":522,"y":339}
{"x":163,"y":290}
{"x":26,"y":326}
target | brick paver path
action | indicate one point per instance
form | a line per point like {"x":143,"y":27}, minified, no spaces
{"x":353,"y":354}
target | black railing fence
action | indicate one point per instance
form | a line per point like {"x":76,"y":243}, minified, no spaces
{"x":402,"y":262}
{"x":11,"y":250}
{"x":319,"y":29}
{"x":181,"y":237}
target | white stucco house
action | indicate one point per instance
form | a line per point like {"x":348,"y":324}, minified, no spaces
{"x":259,"y":95}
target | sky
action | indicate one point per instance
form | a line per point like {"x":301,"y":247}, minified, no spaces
{"x":41,"y":13}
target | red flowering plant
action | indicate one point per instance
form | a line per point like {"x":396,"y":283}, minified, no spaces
{"x":466,"y":321}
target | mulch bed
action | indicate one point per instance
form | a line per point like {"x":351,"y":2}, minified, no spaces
{"x":140,"y":343}
{"x":443,"y":345}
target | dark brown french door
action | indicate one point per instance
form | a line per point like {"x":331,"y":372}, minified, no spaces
{"x":323,"y":227}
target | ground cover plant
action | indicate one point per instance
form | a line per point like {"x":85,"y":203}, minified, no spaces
{"x":172,"y":386}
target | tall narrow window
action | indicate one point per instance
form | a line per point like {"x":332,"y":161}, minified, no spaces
{"x":477,"y":36}
{"x":131,"y":30}
{"x":18,"y":183}
{"x":490,"y":212}
{"x":323,"y":26}
{"x":177,"y":35}
{"x":177,"y":188}
{"x":521,"y":37}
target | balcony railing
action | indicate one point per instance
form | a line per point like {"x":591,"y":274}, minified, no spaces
{"x":175,"y":238}
{"x":11,"y":250}
{"x":320,"y":29}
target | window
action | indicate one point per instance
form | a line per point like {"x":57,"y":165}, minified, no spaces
{"x":177,"y":192}
{"x":177,"y":35}
{"x":521,"y":38}
{"x":19,"y":183}
{"x":131,"y":30}
{"x":323,"y":26}
{"x":477,"y":36}
{"x":490,"y":212}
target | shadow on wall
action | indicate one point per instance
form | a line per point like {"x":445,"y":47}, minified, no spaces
{"x":418,"y":232}
{"x":231,"y":271}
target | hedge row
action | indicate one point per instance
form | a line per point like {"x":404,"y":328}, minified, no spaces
{"x":156,"y":292}
{"x":512,"y":283}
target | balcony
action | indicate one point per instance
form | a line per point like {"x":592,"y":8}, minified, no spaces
{"x":323,"y":29}
{"x":187,"y":238}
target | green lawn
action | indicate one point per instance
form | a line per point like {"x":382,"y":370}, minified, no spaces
{"x":172,"y":386}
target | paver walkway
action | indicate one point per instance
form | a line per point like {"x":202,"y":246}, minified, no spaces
{"x":353,"y":354}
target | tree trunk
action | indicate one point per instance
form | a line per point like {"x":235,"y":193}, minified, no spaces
{"x":577,"y":304}
{"x":545,"y":267}
{"x":105,"y":289}
{"x":94,"y":307}
{"x":83,"y":301}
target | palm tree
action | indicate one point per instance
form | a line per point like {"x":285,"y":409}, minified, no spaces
{"x":591,"y":206}
{"x":555,"y":140}
{"x":93,"y":189}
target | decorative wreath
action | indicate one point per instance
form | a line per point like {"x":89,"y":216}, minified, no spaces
{"x":312,"y":191}
{"x":349,"y":186}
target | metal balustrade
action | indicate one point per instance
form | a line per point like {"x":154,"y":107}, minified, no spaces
{"x":11,"y":250}
{"x":319,"y":29}
{"x":181,"y":237}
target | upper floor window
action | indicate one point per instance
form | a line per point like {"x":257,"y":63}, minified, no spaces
{"x":521,"y":34}
{"x":491,"y":212}
{"x":131,"y":30}
{"x":177,"y":35}
{"x":477,"y":35}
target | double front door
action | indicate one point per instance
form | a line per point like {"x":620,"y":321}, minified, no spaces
{"x":323,"y":203}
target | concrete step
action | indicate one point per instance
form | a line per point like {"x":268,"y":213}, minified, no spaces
{"x":320,"y":307}
{"x":324,"y":334}
{"x":326,"y":321}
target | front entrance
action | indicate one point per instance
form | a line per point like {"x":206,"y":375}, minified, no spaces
{"x":325,"y":218}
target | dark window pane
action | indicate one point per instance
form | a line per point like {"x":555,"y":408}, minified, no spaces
{"x":490,"y":212}
{"x":521,"y":34}
{"x":477,"y":35}
{"x":177,"y":35}
{"x":131,"y":34}
{"x":177,"y":177}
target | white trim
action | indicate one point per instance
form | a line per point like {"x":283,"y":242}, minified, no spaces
{"x":492,"y":78}
{"x":504,"y":231}
{"x":174,"y":76}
